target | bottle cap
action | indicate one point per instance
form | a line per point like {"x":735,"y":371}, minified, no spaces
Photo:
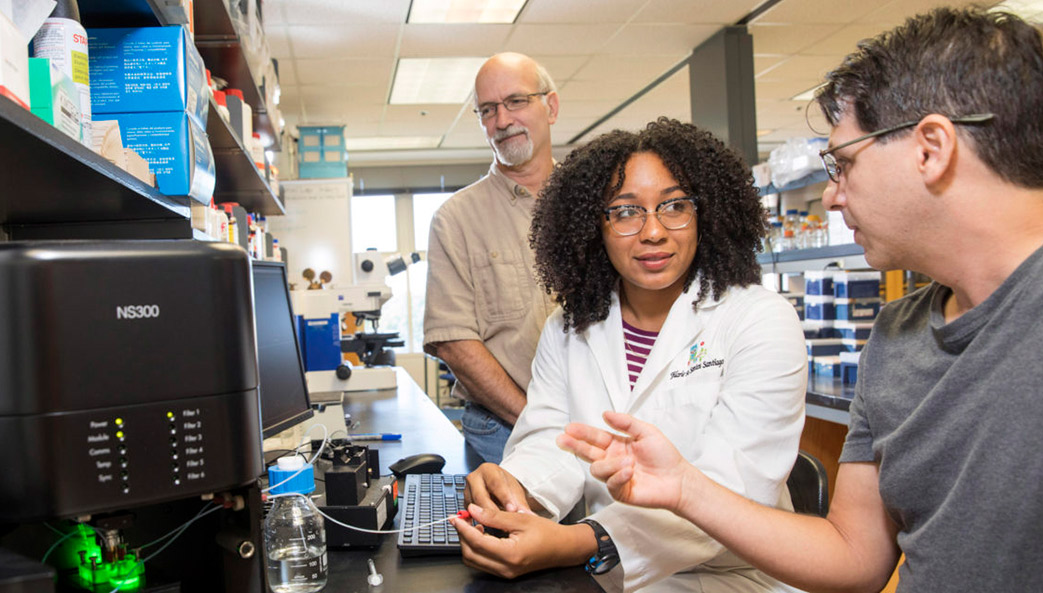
{"x":302,"y":483}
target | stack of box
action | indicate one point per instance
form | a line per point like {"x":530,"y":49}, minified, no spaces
{"x":152,"y":81}
{"x":322,"y":153}
{"x":839,"y":308}
{"x":14,"y":63}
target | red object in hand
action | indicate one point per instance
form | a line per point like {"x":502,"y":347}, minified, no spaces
{"x":463,"y":514}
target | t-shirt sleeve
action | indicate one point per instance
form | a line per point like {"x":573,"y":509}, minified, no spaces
{"x":858,"y":446}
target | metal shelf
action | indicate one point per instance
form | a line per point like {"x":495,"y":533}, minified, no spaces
{"x":849,"y":256}
{"x":219,"y":44}
{"x":812,"y":178}
{"x":50,"y":179}
{"x":238,"y":180}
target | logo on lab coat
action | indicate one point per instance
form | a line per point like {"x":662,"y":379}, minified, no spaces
{"x":696,"y":356}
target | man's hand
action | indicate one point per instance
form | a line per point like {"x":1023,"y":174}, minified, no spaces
{"x":532,"y":542}
{"x":492,"y":487}
{"x":642,"y":469}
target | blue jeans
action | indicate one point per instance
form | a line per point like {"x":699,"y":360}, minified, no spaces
{"x":485,"y":433}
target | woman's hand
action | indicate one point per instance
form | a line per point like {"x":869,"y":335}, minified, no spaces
{"x":491,"y":486}
{"x":642,"y":469}
{"x":531,"y":542}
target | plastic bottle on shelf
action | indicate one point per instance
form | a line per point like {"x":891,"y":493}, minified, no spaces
{"x":276,"y":252}
{"x":294,"y":531}
{"x":63,"y":40}
{"x":816,"y":232}
{"x":776,"y":236}
{"x":803,"y":231}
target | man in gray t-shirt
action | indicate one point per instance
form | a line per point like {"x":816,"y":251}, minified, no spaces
{"x":936,"y":162}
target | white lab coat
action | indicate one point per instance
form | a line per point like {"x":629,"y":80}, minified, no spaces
{"x":725,"y":383}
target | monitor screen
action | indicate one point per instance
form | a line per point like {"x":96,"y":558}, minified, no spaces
{"x":282,"y":386}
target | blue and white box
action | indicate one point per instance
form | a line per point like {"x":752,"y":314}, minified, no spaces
{"x":853,"y":330}
{"x":147,"y":69}
{"x":827,"y":366}
{"x":176,"y":149}
{"x":818,"y":328}
{"x":856,"y":285}
{"x":819,"y":307}
{"x":849,"y":367}
{"x":818,"y":282}
{"x":863,"y":309}
{"x":824,"y":347}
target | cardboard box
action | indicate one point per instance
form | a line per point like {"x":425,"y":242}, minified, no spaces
{"x":54,"y":98}
{"x":176,"y":149}
{"x":14,"y":63}
{"x":106,"y":141}
{"x":147,"y":69}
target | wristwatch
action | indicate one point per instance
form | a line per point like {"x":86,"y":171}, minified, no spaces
{"x":606,"y":558}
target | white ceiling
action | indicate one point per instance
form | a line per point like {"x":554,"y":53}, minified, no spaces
{"x":337,"y":57}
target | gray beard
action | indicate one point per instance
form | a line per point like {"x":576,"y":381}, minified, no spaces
{"x":514,"y":154}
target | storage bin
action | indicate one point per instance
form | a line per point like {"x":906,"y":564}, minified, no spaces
{"x":854,"y":285}
{"x":818,"y":328}
{"x":819,"y":282}
{"x":864,"y":309}
{"x":852,"y":330}
{"x":797,"y":300}
{"x":849,"y":367}
{"x":827,"y":366}
{"x":819,"y":307}
{"x":824,"y":347}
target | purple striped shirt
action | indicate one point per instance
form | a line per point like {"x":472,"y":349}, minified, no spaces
{"x":637,"y":343}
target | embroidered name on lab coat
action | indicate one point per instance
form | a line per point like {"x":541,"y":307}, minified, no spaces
{"x":695,"y":361}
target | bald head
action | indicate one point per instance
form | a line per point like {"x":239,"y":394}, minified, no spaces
{"x":518,"y":65}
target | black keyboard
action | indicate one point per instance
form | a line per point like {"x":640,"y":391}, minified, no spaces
{"x":427,"y":498}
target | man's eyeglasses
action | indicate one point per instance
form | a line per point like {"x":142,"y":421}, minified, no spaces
{"x":833,"y":167}
{"x":512,"y":103}
{"x":629,"y":219}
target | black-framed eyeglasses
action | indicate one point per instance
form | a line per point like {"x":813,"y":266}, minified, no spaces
{"x":833,"y":167}
{"x":512,"y":103}
{"x":673,"y":214}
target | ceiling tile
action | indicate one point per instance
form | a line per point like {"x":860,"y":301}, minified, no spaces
{"x":671,"y":40}
{"x":896,"y":12}
{"x":287,"y":73}
{"x":591,"y":90}
{"x":802,"y":68}
{"x":566,"y":12}
{"x":565,"y":39}
{"x":346,"y":72}
{"x":453,"y":40}
{"x":561,"y":67}
{"x":328,"y":41}
{"x":787,"y":39}
{"x":416,"y":120}
{"x":610,"y":68}
{"x":696,"y":11}
{"x":763,"y":63}
{"x":466,"y":136}
{"x":843,"y":41}
{"x":356,"y":128}
{"x":782,"y":89}
{"x":329,"y":12}
{"x":278,"y":41}
{"x":804,"y":12}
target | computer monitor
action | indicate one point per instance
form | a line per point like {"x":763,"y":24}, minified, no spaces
{"x":282,"y":386}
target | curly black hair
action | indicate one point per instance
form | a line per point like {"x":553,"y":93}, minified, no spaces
{"x":571,"y":261}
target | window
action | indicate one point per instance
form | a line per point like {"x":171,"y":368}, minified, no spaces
{"x":424,"y":208}
{"x":373,"y":223}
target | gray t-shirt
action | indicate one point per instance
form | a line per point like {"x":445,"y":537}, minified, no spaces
{"x":953,"y":413}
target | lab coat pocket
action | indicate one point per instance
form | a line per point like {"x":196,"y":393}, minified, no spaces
{"x":683,"y":407}
{"x":500,"y":278}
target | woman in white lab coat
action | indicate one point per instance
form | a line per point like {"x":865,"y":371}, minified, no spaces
{"x":649,"y":242}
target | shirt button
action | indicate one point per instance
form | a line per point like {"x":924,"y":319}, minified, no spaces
{"x":494,"y":254}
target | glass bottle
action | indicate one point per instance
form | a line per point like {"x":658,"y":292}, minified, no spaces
{"x":294,"y":532}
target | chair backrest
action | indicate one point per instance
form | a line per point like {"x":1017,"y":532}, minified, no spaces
{"x":809,"y":485}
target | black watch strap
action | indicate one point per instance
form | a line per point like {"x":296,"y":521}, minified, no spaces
{"x":606,"y":558}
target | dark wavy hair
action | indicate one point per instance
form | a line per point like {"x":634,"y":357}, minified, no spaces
{"x":954,"y":62}
{"x":571,"y":261}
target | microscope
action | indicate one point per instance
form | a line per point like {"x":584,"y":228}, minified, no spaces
{"x":323,"y":343}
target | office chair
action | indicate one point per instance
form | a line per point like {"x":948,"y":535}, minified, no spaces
{"x":808,"y":485}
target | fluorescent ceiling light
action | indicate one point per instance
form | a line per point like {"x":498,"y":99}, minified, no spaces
{"x":1030,"y":10}
{"x":391,"y":143}
{"x":464,"y":11}
{"x":808,"y":94}
{"x":434,"y":80}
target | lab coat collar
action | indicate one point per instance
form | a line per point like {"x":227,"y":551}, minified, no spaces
{"x":683,"y":325}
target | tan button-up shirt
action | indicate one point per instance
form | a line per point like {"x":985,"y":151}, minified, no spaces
{"x":481,"y":283}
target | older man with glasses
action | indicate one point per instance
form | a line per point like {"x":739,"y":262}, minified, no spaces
{"x":936,"y":163}
{"x":484,"y":309}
